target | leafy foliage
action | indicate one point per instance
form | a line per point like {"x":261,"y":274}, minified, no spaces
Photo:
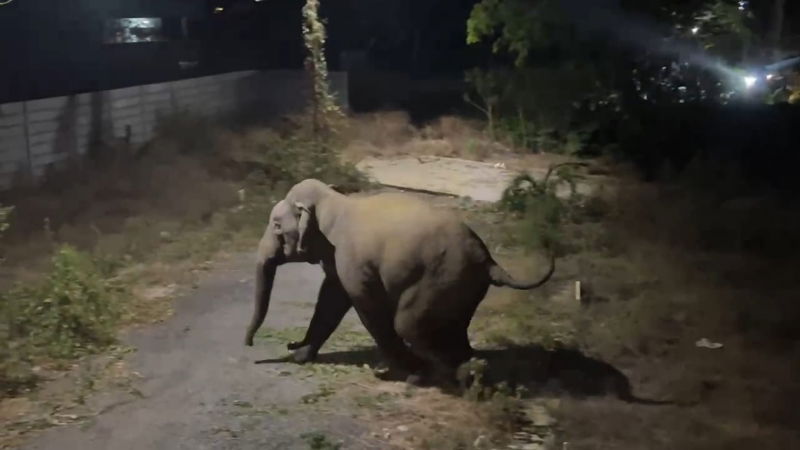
{"x":535,"y":108}
{"x":73,"y":312}
{"x":542,"y":210}
{"x":279,"y":162}
{"x":516,"y":26}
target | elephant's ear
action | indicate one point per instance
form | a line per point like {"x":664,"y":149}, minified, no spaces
{"x":302,"y":227}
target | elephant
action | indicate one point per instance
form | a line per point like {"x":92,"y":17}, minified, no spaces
{"x":414,"y":274}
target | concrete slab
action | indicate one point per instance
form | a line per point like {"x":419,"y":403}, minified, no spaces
{"x":480,"y":181}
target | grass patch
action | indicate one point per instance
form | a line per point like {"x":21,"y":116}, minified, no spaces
{"x":317,"y":440}
{"x":322,"y":393}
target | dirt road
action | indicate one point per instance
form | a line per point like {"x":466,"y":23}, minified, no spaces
{"x":201,"y":387}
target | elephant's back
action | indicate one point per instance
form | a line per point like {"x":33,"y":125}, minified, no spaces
{"x":391,"y":211}
{"x":408,"y":239}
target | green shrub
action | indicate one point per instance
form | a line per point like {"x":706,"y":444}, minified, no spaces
{"x":282,"y":161}
{"x":319,"y":441}
{"x":74,"y":311}
{"x":542,"y":211}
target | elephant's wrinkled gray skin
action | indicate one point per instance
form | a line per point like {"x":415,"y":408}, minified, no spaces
{"x":414,"y":274}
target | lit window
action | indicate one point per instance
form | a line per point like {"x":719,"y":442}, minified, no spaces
{"x":133,"y":30}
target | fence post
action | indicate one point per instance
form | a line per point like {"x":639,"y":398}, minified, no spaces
{"x":28,"y":155}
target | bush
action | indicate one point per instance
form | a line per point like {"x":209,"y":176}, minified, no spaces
{"x":277,"y":161}
{"x":543,"y":212}
{"x":73,"y":312}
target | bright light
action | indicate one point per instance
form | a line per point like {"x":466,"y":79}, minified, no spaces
{"x":750,"y":81}
{"x":695,"y":30}
{"x":218,"y":9}
{"x":770,"y":76}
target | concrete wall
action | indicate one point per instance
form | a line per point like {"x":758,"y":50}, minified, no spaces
{"x":39,"y":135}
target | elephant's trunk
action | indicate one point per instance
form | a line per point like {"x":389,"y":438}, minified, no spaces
{"x":265,"y":275}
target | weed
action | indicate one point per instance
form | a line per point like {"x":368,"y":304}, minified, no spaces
{"x":543,"y":212}
{"x":319,"y":441}
{"x":325,"y":391}
{"x":74,"y":311}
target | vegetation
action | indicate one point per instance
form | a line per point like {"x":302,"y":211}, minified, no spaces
{"x":572,"y":80}
{"x":319,"y":441}
{"x":73,"y":312}
{"x":324,"y":110}
{"x":542,"y":209}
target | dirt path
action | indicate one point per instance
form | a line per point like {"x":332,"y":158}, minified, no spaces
{"x":200,"y":386}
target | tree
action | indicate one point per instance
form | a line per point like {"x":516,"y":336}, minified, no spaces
{"x":323,"y":106}
{"x":656,"y":49}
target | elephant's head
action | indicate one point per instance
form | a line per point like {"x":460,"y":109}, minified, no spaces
{"x":278,"y":246}
{"x":290,"y":237}
{"x":306,"y":197}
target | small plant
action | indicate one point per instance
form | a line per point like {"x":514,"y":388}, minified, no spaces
{"x":319,"y":441}
{"x":74,"y":311}
{"x":485,"y":96}
{"x":543,"y":212}
{"x":323,"y":393}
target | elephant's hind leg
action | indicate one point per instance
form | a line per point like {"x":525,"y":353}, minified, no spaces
{"x":441,"y":344}
{"x":332,"y":305}
{"x":434,"y":323}
{"x":400,"y":359}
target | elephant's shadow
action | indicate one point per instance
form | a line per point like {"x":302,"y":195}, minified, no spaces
{"x":540,"y":371}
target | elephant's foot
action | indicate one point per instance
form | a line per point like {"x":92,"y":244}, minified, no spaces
{"x":294,"y":345}
{"x":304,"y":354}
{"x":419,"y":380}
{"x":385,"y":373}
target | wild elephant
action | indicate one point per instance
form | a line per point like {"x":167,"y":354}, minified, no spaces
{"x":415,"y":274}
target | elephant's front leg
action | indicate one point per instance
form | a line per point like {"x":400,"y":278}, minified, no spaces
{"x":332,"y":305}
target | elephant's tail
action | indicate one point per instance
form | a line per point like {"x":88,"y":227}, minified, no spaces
{"x":499,"y":277}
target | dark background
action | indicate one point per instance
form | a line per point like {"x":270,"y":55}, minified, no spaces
{"x":51,"y":48}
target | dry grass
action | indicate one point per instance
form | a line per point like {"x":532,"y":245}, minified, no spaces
{"x":392,"y":134}
{"x":428,"y":419}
